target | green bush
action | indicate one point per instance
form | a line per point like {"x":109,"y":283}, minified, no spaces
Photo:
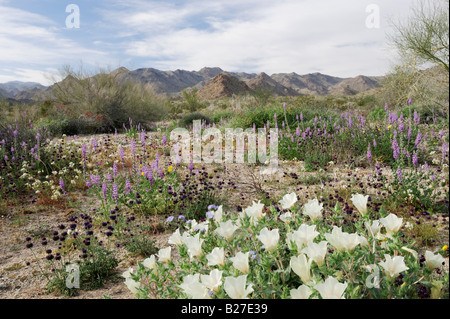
{"x":187,"y":120}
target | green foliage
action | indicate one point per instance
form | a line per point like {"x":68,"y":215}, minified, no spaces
{"x":187,"y":120}
{"x":191,"y":101}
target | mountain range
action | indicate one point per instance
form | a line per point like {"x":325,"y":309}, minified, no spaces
{"x":213,"y":82}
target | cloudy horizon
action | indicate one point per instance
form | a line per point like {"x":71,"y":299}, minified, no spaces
{"x":334,"y":37}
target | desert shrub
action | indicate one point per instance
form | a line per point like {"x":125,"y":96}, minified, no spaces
{"x":105,"y":101}
{"x":187,"y":120}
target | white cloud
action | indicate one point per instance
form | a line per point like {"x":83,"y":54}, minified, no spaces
{"x":272,"y":36}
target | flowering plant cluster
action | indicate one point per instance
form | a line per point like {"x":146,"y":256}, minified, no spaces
{"x":291,"y":253}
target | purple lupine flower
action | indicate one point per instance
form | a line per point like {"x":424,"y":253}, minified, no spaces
{"x":104,"y":189}
{"x":400,"y":174}
{"x":115,"y":192}
{"x":133,"y":147}
{"x":94,"y":144}
{"x":301,"y":117}
{"x":109,"y":178}
{"x":415,"y":160}
{"x":444,"y":149}
{"x":115,"y":169}
{"x":409,"y":134}
{"x":209,"y":214}
{"x":418,"y":139}
{"x":88,"y":183}
{"x":127,"y":186}
{"x":416,"y":118}
{"x":297,"y":131}
{"x":441,"y":134}
{"x":296,"y":117}
{"x":164,"y":139}
{"x":143,"y":138}
{"x":61,"y":184}
{"x":395,"y":148}
{"x":386,"y":108}
{"x":160,"y":172}
{"x":369,"y":154}
{"x":191,"y":166}
{"x":409,"y":101}
{"x":121,"y":153}
{"x":275,"y":116}
{"x":374,"y":143}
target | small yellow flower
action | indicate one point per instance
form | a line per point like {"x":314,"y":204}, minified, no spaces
{"x":445,"y":248}
{"x":142,"y":173}
{"x":169,"y":169}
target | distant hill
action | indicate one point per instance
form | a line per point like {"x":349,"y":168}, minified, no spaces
{"x":172,"y":83}
{"x":223,"y":85}
{"x":20,"y":90}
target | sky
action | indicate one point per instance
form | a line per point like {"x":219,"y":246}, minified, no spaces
{"x":343,"y":38}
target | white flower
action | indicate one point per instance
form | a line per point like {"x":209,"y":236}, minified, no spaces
{"x":193,"y":288}
{"x":150,"y":263}
{"x":302,"y":236}
{"x":269,"y":238}
{"x":213,"y":280}
{"x":255,"y":212}
{"x":302,"y":292}
{"x":302,"y":267}
{"x":226,"y":229}
{"x":127,"y":273}
{"x":316,"y":252}
{"x":132,"y":285}
{"x":341,"y":240}
{"x":216,"y":257}
{"x":236,"y":287}
{"x":373,"y":228}
{"x":288,"y":200}
{"x":433,"y":261}
{"x":175,"y":238}
{"x":164,"y":254}
{"x":331,"y":289}
{"x":194,"y":245}
{"x":240,"y":262}
{"x":218,"y":214}
{"x":313,"y":209}
{"x":360,"y":202}
{"x":393,"y":266}
{"x":286,"y":217}
{"x":392,"y":223}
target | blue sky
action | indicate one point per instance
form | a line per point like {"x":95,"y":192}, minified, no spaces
{"x":277,"y":36}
